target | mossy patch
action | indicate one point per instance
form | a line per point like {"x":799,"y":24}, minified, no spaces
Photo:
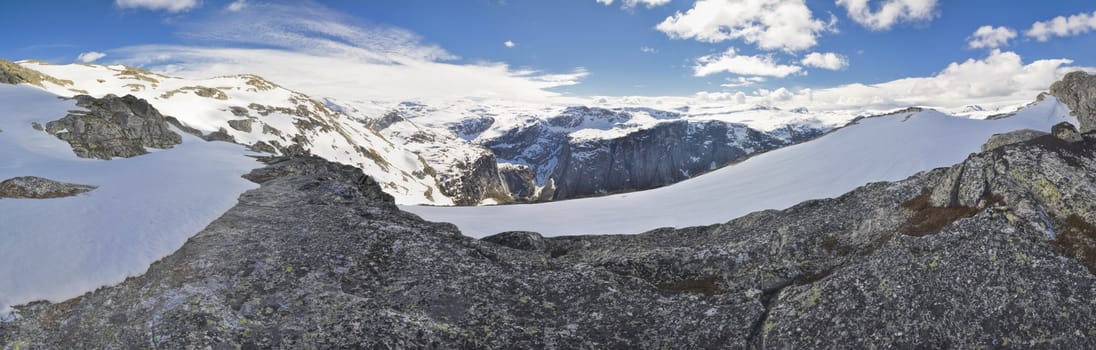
{"x":927,"y":219}
{"x":1077,"y":239}
{"x":706,"y":285}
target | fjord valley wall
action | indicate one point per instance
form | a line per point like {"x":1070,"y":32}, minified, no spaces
{"x":996,"y":251}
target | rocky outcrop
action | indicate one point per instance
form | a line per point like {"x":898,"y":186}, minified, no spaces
{"x":1008,"y":138}
{"x":520,"y":181}
{"x":112,"y":127}
{"x":989,"y":253}
{"x":478,"y":180}
{"x":33,"y":187}
{"x":1078,"y":91}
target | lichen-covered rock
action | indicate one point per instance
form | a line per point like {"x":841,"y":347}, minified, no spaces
{"x":39,"y":188}
{"x":112,"y":127}
{"x":1066,"y":132}
{"x":1008,"y":138}
{"x":995,"y":252}
{"x":1078,"y":91}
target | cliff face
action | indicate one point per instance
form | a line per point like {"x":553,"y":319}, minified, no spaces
{"x":663,"y":155}
{"x":998,"y":251}
{"x":1078,"y":91}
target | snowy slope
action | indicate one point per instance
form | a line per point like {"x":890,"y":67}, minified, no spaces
{"x":264,"y":114}
{"x":875,"y":149}
{"x":144,"y":209}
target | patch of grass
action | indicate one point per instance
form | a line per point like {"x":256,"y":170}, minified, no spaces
{"x":699,"y":285}
{"x":1077,"y":239}
{"x":927,"y":219}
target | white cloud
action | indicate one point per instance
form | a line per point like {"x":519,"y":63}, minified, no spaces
{"x":236,"y":5}
{"x":632,"y":3}
{"x":91,"y":56}
{"x":731,"y":62}
{"x":781,"y":94}
{"x":737,"y":97}
{"x":990,"y":37}
{"x":159,"y":5}
{"x":326,"y":54}
{"x":647,"y":49}
{"x":769,"y":24}
{"x":1063,"y":26}
{"x":509,"y":44}
{"x":828,"y":60}
{"x":999,"y":79}
{"x":887,"y":13}
{"x":742,"y":81}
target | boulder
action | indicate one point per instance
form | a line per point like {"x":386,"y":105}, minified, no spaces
{"x":1013,"y":137}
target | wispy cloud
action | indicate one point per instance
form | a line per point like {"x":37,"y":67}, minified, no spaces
{"x":91,"y":56}
{"x":325,"y":53}
{"x":172,"y":6}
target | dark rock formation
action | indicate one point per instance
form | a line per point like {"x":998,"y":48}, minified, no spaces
{"x":39,"y":188}
{"x":520,"y":181}
{"x":113,"y":127}
{"x":989,"y":253}
{"x":1008,"y":138}
{"x":478,"y":180}
{"x":1078,"y":91}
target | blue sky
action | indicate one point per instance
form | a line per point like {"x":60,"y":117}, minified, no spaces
{"x":620,"y":49}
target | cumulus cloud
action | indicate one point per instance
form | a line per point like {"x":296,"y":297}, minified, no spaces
{"x":769,"y":24}
{"x":828,"y":60}
{"x":172,"y":6}
{"x":737,"y":97}
{"x":632,"y":3}
{"x":648,"y":49}
{"x":731,"y":62}
{"x":887,"y":13}
{"x":1063,"y":26}
{"x":990,"y":37}
{"x":90,"y":56}
{"x":323,"y":53}
{"x":509,"y":44}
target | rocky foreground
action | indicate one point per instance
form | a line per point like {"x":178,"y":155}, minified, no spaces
{"x":998,"y":251}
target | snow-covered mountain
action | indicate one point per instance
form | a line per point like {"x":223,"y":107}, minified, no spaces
{"x":882,"y":148}
{"x":579,"y":151}
{"x":251,"y":111}
{"x":458,"y":152}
